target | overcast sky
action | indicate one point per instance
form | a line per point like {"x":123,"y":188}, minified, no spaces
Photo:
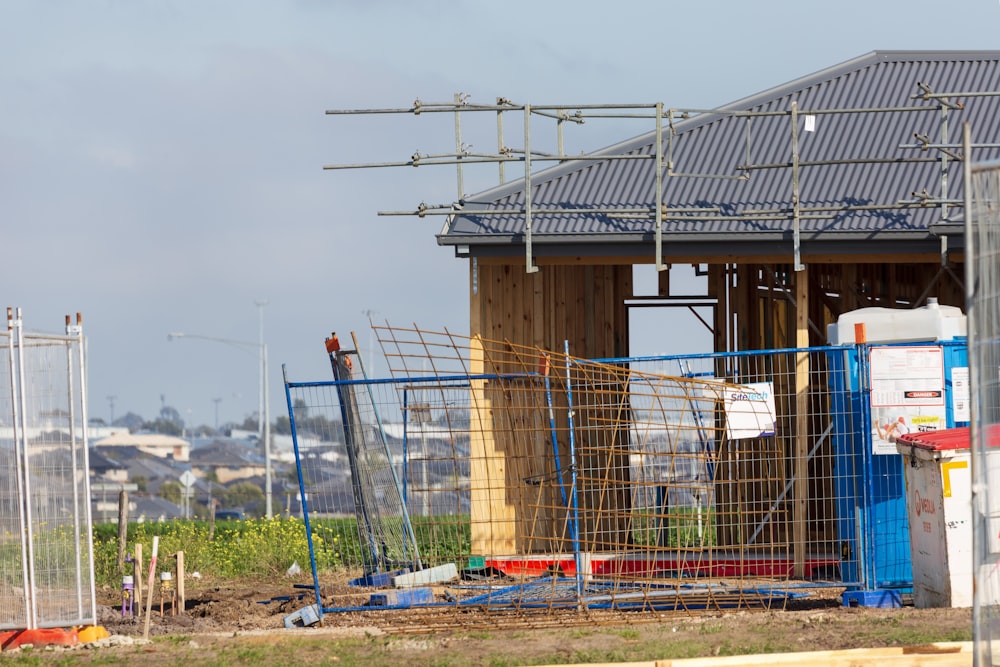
{"x":161,"y":162}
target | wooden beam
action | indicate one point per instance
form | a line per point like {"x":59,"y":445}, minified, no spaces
{"x":720,"y":321}
{"x":800,"y":507}
{"x":491,"y":512}
{"x":944,"y":653}
{"x":848,"y":289}
{"x":663,"y":282}
{"x":492,"y":526}
{"x":587,"y":286}
{"x":730,"y":258}
{"x":625,"y":288}
{"x":538,"y":313}
{"x":768,"y":307}
{"x":744,"y":299}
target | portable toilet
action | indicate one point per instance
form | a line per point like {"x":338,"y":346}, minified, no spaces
{"x":901,"y":371}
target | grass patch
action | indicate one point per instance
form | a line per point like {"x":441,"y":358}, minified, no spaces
{"x":262,"y":548}
{"x":710,"y":629}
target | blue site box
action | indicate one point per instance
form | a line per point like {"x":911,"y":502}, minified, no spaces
{"x":879,"y":391}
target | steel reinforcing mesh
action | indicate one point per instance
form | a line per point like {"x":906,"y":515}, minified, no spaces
{"x":690,"y":486}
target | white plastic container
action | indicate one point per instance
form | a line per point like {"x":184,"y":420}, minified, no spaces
{"x":932,"y":322}
{"x":939,"y":508}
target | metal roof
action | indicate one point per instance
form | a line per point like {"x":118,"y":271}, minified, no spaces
{"x":729,"y":178}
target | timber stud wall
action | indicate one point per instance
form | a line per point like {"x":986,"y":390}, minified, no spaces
{"x":584,"y":305}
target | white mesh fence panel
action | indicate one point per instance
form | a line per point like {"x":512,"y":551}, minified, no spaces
{"x":45,"y":526}
{"x":983,"y":289}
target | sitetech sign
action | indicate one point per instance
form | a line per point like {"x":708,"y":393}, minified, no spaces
{"x":750,"y":410}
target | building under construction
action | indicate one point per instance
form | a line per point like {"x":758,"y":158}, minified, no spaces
{"x":838,"y":191}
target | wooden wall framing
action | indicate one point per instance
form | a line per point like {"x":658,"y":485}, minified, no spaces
{"x":579,"y":305}
{"x":759,"y":306}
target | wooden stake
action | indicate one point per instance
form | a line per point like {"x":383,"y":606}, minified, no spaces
{"x":149,"y":587}
{"x":122,"y":529}
{"x":180,"y":582}
{"x":137,"y":573}
{"x":800,"y":507}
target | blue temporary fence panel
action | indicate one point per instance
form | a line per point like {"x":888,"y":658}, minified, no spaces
{"x":872,"y":517}
{"x":699,"y":492}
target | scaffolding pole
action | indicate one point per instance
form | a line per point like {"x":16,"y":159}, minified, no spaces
{"x":659,"y":212}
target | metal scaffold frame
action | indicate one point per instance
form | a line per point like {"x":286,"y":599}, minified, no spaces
{"x":664,"y":161}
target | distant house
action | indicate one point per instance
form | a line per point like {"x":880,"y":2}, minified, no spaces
{"x":230,"y":461}
{"x":106,"y":469}
{"x":156,"y":444}
{"x":154,"y":509}
{"x":108,"y":478}
{"x":118,"y":468}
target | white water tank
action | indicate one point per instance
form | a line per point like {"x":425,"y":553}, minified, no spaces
{"x":932,"y":322}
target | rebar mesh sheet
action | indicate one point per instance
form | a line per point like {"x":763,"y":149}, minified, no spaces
{"x":816,"y":452}
{"x":554,"y":593}
{"x":47,"y":563}
{"x":431,"y":477}
{"x":383,"y":519}
{"x":523,"y":463}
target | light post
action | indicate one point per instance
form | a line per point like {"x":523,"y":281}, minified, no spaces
{"x":260,"y":303}
{"x":421,"y":413}
{"x":263,"y":417}
{"x":216,"y":401}
{"x":370,"y":361}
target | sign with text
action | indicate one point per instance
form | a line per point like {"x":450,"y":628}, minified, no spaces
{"x":750,"y":410}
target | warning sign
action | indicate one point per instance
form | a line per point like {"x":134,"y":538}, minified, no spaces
{"x":923,"y":394}
{"x":907,"y":376}
{"x":907,"y":393}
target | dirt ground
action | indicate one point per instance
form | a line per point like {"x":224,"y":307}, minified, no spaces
{"x":224,"y":618}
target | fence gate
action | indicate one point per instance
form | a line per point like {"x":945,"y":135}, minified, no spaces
{"x":45,"y":523}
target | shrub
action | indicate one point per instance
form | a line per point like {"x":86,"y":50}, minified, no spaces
{"x":250,"y":548}
{"x":254,"y":548}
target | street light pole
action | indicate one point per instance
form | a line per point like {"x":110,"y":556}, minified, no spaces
{"x":263,"y":418}
{"x":260,"y":303}
{"x":268,"y":491}
{"x":265,"y":427}
{"x":216,"y":401}
{"x":370,"y":361}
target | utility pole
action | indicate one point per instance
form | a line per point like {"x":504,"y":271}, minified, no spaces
{"x":264,"y":421}
{"x":263,"y":416}
{"x":216,"y":401}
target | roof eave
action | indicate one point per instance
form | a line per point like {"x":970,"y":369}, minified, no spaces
{"x":608,"y":246}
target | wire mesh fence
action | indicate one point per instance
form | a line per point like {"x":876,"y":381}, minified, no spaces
{"x":45,"y":526}
{"x":533,"y":479}
{"x":983,"y":287}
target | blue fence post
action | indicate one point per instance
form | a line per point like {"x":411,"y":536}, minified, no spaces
{"x":552,"y":429}
{"x":302,"y":493}
{"x":574,"y":526}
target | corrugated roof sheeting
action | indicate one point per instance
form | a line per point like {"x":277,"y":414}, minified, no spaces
{"x":716,"y":144}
